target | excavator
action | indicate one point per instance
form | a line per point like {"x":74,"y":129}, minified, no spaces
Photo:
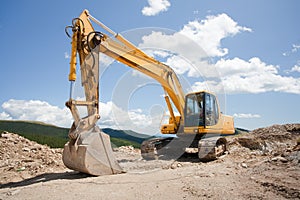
{"x":200,"y":126}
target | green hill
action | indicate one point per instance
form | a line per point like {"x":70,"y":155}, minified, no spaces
{"x":56,"y":137}
{"x":42,"y":133}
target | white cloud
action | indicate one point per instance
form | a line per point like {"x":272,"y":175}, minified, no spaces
{"x":195,"y":42}
{"x":5,"y":116}
{"x":160,"y":53}
{"x":295,"y":48}
{"x":136,"y":120}
{"x":37,"y":111}
{"x":111,"y":115}
{"x":180,"y":53}
{"x":179,"y":65}
{"x":209,"y":32}
{"x":67,"y":56}
{"x":210,"y":85}
{"x":155,"y":7}
{"x":234,"y":75}
{"x":105,"y":60}
{"x":246,"y":116}
{"x":296,"y":68}
{"x":253,"y":76}
{"x":244,"y":68}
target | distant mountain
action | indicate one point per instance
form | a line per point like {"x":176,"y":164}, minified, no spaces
{"x":42,"y":133}
{"x":56,"y":136}
{"x":126,"y":134}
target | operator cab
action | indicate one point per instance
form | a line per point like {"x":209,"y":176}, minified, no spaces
{"x":201,"y":109}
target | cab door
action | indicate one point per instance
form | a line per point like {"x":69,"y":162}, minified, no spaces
{"x":211,"y":108}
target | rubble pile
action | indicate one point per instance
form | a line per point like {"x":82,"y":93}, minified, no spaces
{"x":281,"y":133}
{"x":125,"y":149}
{"x":21,"y":158}
{"x":279,"y":142}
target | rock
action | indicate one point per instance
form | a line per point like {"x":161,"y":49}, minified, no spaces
{"x":173,"y":166}
{"x":36,"y":147}
{"x":26,"y":149}
{"x":279,"y":158}
{"x":244,"y":165}
{"x":5,"y":135}
{"x":21,"y":169}
{"x":179,"y":165}
{"x":250,"y":143}
{"x":127,"y":149}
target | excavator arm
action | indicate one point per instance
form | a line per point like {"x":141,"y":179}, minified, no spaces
{"x":89,"y":149}
{"x":118,"y":48}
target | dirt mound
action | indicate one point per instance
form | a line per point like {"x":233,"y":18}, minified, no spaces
{"x":280,"y":133}
{"x":276,"y":140}
{"x":271,"y":156}
{"x":22,"y":158}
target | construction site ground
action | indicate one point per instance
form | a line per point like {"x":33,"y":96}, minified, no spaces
{"x":262,"y":164}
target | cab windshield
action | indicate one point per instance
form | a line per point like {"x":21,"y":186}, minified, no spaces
{"x":201,"y":110}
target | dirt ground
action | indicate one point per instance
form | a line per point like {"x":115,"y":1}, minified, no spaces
{"x":262,"y":164}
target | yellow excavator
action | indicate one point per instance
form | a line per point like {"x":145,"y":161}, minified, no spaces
{"x":200,"y":125}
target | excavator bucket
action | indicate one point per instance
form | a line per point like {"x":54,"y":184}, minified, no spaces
{"x":91,"y":153}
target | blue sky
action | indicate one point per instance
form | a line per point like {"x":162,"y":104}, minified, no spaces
{"x":254,"y":45}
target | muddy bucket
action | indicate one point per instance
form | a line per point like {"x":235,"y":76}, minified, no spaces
{"x":91,"y":153}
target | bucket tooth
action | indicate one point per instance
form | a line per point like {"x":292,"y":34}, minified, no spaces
{"x":91,"y":153}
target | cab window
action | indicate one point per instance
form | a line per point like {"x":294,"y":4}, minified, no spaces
{"x":211,"y":110}
{"x":194,"y":110}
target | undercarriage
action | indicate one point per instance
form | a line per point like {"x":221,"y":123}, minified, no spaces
{"x":208,"y":147}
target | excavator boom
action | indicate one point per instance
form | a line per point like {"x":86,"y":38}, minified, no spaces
{"x":89,"y":149}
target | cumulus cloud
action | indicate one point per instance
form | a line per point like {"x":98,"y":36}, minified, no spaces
{"x":111,"y":115}
{"x":36,"y":110}
{"x":179,"y":52}
{"x":246,"y":115}
{"x":155,"y":7}
{"x":209,"y":32}
{"x":296,"y":68}
{"x":136,"y":120}
{"x":5,"y":116}
{"x":195,"y":42}
{"x":252,"y":76}
{"x":179,"y":65}
{"x":187,"y":52}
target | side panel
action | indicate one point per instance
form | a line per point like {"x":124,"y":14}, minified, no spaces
{"x":228,"y":125}
{"x":224,"y":126}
